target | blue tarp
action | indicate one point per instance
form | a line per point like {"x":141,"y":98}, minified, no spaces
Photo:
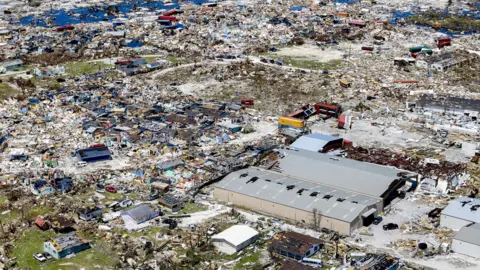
{"x":297,"y":8}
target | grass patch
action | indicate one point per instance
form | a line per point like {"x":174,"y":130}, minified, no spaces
{"x":179,"y":60}
{"x":82,"y":68}
{"x":250,"y":259}
{"x":32,"y":213}
{"x":32,"y":241}
{"x":3,"y":199}
{"x":300,"y":62}
{"x":6,"y":91}
{"x":150,"y":58}
{"x":113,"y":196}
{"x":39,"y":211}
{"x":87,"y":259}
{"x":193,"y":208}
{"x":12,"y":215}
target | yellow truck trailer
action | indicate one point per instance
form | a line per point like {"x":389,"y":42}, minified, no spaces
{"x":290,"y":122}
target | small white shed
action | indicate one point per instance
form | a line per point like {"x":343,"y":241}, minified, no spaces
{"x":467,"y":241}
{"x":234,"y":239}
{"x":460,"y":212}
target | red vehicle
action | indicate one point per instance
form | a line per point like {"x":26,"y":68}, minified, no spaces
{"x":97,"y":145}
{"x":328,"y":109}
{"x":167,"y":18}
{"x":66,"y":27}
{"x":111,"y":189}
{"x":247,"y":102}
{"x":123,"y":62}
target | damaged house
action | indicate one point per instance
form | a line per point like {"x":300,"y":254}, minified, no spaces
{"x":446,"y":61}
{"x":295,"y":245}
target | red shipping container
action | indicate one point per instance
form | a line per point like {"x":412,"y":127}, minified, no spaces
{"x":341,"y":121}
{"x":345,"y":121}
{"x":327,"y":109}
{"x":347,"y":143}
{"x":442,"y":42}
{"x":67,"y":27}
{"x":167,"y":18}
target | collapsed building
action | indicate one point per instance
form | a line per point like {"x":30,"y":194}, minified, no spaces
{"x":329,"y":192}
{"x":453,"y":105}
{"x":446,"y":61}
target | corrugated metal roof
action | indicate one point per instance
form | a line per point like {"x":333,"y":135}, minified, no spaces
{"x":236,"y":234}
{"x":272,"y":186}
{"x":94,"y":152}
{"x":462,"y":208}
{"x":469,"y":234}
{"x":141,"y":211}
{"x":313,"y":142}
{"x":362,"y":177}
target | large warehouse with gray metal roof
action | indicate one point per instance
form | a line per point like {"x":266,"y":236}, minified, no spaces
{"x":345,"y":194}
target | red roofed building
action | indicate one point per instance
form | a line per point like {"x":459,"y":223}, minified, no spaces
{"x":41,"y":223}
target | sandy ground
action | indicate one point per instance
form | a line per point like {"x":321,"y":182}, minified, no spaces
{"x":391,"y":136}
{"x":192,"y":88}
{"x":311,"y":52}
{"x":262,"y":128}
{"x":68,"y":165}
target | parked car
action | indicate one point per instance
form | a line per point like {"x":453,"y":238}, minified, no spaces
{"x":390,"y":226}
{"x":153,"y":196}
{"x":47,"y":255}
{"x":172,"y":224}
{"x":377,"y":220}
{"x":81,"y":164}
{"x":111,"y":189}
{"x":168,"y":221}
{"x":126,"y":203}
{"x":39,"y":257}
{"x":100,"y":186}
{"x":113,"y":205}
{"x":278,"y":221}
{"x":211,"y":231}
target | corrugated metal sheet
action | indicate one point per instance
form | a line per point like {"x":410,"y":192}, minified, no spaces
{"x":356,"y":176}
{"x":272,"y":186}
{"x":313,"y":142}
